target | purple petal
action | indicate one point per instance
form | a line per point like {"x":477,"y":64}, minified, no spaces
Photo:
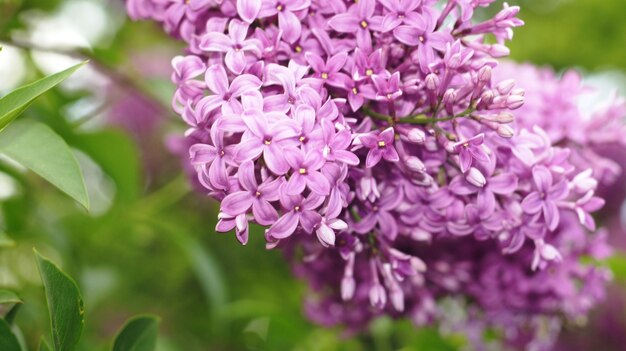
{"x":274,"y":159}
{"x":216,"y":79}
{"x":373,"y":157}
{"x":532,"y":203}
{"x":284,"y":226}
{"x":390,"y":154}
{"x":248,"y":10}
{"x":236,"y":203}
{"x":346,"y":157}
{"x":264,"y":213}
{"x":542,"y":178}
{"x":344,"y":23}
{"x":486,"y":202}
{"x":296,"y":184}
{"x":503,"y":184}
{"x":309,"y":219}
{"x":318,"y":184}
{"x":465,"y":160}
{"x":235,"y":61}
{"x":246,"y":176}
{"x":249,"y":149}
{"x":217,"y":174}
{"x":215,"y":42}
{"x":407,"y":35}
{"x":290,"y":25}
{"x":551,"y":214}
{"x":243,"y":83}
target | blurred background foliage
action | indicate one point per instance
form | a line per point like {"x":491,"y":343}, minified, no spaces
{"x":148,"y":243}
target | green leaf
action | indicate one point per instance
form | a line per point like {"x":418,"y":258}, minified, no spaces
{"x":44,"y":346}
{"x":8,"y":297}
{"x":8,"y":341}
{"x":15,"y":102}
{"x":64,"y":303}
{"x":118,"y":156}
{"x":38,"y":148}
{"x":138,"y":334}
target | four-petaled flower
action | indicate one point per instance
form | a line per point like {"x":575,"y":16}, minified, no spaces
{"x":381,"y":146}
{"x":546,"y":196}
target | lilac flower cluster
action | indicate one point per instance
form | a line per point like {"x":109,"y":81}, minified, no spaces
{"x":378,"y":135}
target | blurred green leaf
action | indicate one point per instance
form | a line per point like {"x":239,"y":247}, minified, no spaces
{"x":617,"y":263}
{"x":15,"y":102}
{"x":8,"y":297}
{"x":138,"y":334}
{"x":43,"y":345}
{"x":5,"y":241}
{"x":118,"y":156}
{"x":8,"y":341}
{"x":64,"y":303}
{"x":38,"y":148}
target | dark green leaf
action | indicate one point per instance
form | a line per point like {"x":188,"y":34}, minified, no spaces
{"x":139,"y":334}
{"x":38,"y":148}
{"x":64,"y":303}
{"x":8,"y":341}
{"x":15,"y":102}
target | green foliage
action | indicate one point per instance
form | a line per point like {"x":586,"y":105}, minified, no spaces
{"x":64,"y":303}
{"x":38,"y":148}
{"x":8,"y":297}
{"x":17,"y":101}
{"x":43,"y":345}
{"x":8,"y":341}
{"x":138,"y":334}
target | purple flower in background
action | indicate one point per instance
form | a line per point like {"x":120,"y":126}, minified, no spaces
{"x":387,"y":88}
{"x":329,"y":71}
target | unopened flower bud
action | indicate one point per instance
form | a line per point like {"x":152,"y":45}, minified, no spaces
{"x":475,"y":177}
{"x":348,"y":286}
{"x":505,"y":131}
{"x":448,"y":100}
{"x":514,"y":101}
{"x":484,"y":74}
{"x":498,"y":50}
{"x":416,"y":135}
{"x":505,"y":86}
{"x":432,"y":82}
{"x":415,"y":164}
{"x":503,"y":117}
{"x":485,"y":100}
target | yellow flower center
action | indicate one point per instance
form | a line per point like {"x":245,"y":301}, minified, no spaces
{"x":364,"y":24}
{"x":381,"y":143}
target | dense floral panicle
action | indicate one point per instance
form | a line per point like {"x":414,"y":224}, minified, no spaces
{"x":387,"y":129}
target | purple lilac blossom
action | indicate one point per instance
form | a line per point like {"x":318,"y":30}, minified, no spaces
{"x":389,"y":129}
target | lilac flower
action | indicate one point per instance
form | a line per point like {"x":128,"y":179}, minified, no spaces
{"x":328,"y":72}
{"x":419,"y":31}
{"x":267,"y":138}
{"x":306,"y":172}
{"x":288,"y":22}
{"x":545,"y":198}
{"x":488,"y":196}
{"x":381,"y":146}
{"x":470,"y":150}
{"x":359,"y":20}
{"x":387,"y":88}
{"x":257,"y":196}
{"x":225,"y":93}
{"x":235,"y":45}
{"x":298,"y":210}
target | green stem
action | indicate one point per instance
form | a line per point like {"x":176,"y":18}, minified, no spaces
{"x":413,"y":119}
